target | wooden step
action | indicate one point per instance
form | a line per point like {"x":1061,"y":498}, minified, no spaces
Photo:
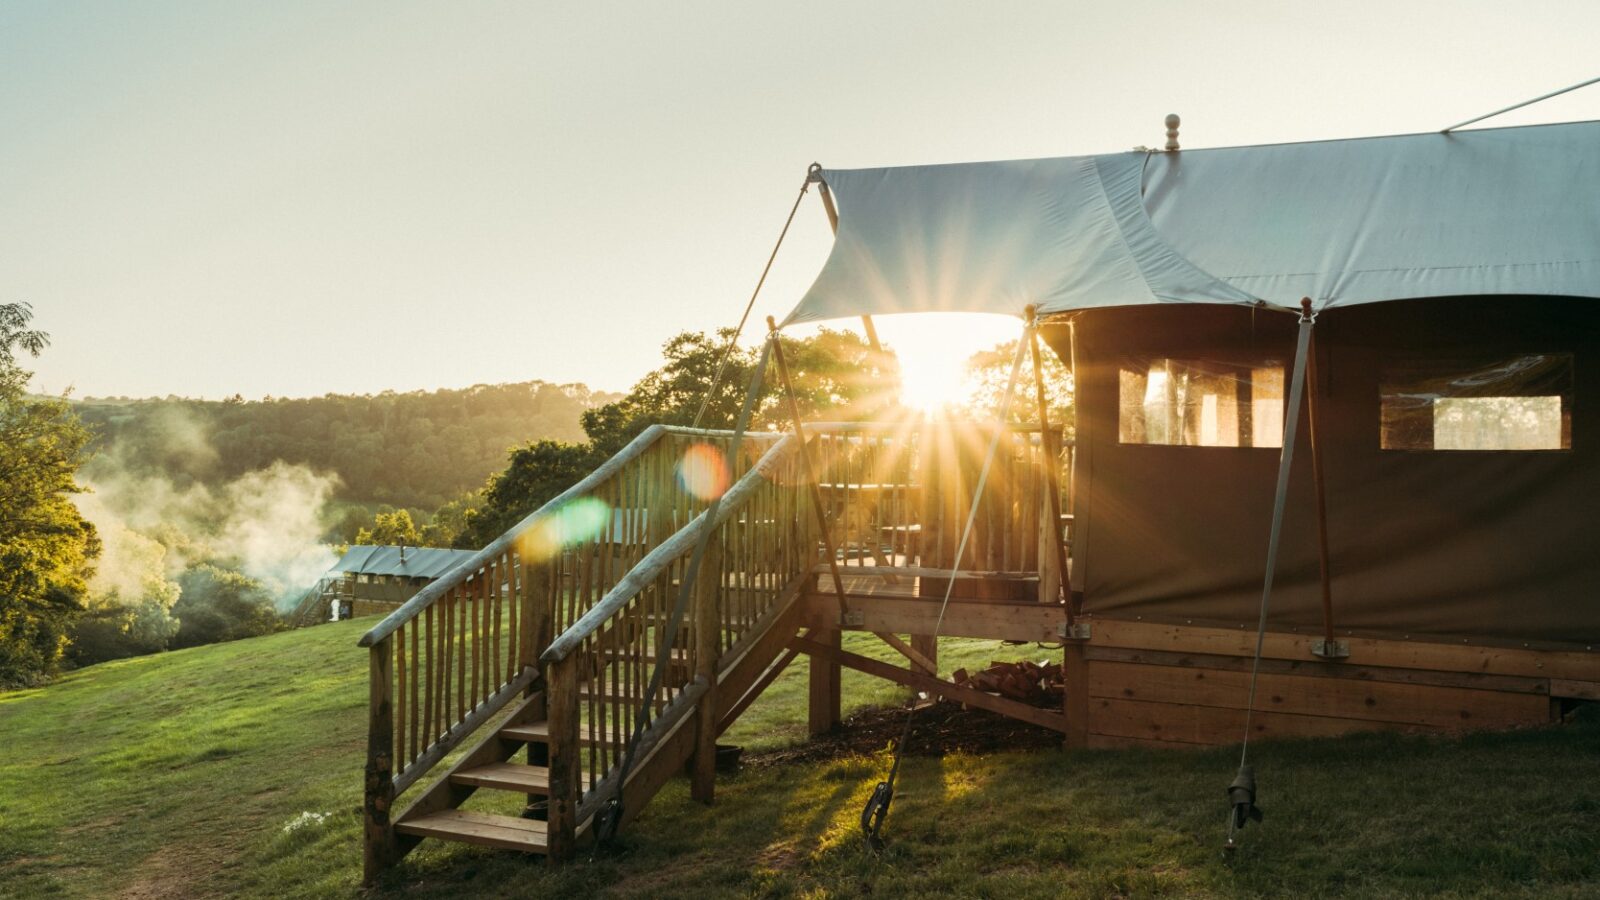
{"x":467,"y":826}
{"x":539,"y":733}
{"x":627,"y":698}
{"x":678,"y":656}
{"x":507,"y":776}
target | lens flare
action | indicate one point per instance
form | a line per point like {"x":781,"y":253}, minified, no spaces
{"x":703,"y":471}
{"x":573,"y":523}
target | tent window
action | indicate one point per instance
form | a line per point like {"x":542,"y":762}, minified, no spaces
{"x":1516,"y":403}
{"x":1201,"y":403}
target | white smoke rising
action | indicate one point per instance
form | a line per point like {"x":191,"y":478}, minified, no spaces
{"x":267,"y":523}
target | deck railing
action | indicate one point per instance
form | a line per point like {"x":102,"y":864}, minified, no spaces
{"x":582,"y":590}
{"x":598,"y":670}
{"x":901,"y":495}
{"x":465,"y":645}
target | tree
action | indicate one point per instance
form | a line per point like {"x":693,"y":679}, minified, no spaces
{"x":536,"y":474}
{"x":988,"y":370}
{"x":391,"y":528}
{"x":45,"y":544}
{"x":832,"y":371}
{"x":221,"y":605}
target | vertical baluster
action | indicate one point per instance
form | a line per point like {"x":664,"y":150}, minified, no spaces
{"x":447,"y":629}
{"x":504,"y":582}
{"x":516,"y":591}
{"x":416,"y":695}
{"x":476,"y":595}
{"x":597,"y":685}
{"x":616,"y":666}
{"x":433,"y":675}
{"x":398,"y":740}
{"x":463,"y":609}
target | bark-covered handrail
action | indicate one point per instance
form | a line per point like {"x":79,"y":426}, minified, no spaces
{"x":435,"y":589}
{"x":869,"y":426}
{"x":662,"y":555}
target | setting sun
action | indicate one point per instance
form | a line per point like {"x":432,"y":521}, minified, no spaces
{"x":933,"y":349}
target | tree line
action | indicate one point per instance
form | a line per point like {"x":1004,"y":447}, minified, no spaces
{"x":418,"y":449}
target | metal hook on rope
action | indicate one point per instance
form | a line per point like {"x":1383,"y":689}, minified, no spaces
{"x":877,"y":805}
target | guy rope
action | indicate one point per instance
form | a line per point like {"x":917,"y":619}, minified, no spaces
{"x":1242,"y":807}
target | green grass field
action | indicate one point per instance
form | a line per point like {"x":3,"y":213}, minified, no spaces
{"x":234,"y":770}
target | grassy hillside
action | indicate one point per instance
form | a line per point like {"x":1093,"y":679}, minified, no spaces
{"x":184,"y":774}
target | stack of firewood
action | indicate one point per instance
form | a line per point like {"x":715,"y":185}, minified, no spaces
{"x":1040,"y":684}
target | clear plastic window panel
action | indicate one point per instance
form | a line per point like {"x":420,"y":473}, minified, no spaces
{"x":1516,"y":403}
{"x":1202,"y":402}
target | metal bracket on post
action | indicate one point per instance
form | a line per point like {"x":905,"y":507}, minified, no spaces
{"x":1073,"y":631}
{"x":1326,"y":649}
{"x":852,"y":618}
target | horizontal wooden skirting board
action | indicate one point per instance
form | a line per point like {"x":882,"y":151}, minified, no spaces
{"x":1579,"y":665}
{"x":1318,"y":668}
{"x":1577,"y":690}
{"x":911,"y":615}
{"x":1445,"y":708}
{"x":1113,"y":720}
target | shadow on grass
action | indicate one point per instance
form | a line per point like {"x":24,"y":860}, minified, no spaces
{"x":1510,"y":814}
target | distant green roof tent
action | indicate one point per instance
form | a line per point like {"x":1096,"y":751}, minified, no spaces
{"x":413,"y":562}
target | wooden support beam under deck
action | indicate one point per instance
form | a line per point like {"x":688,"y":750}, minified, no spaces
{"x":930,"y":684}
{"x":964,"y":618}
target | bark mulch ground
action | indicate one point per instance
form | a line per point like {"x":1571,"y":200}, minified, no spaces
{"x":941,"y":727}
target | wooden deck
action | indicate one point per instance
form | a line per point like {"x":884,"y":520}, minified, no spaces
{"x":1177,"y":685}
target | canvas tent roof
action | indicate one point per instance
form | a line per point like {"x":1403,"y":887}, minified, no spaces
{"x":419,"y":562}
{"x":1494,"y":211}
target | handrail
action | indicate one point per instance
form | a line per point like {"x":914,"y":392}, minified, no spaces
{"x":433,"y":590}
{"x":651,"y":566}
{"x":898,"y":427}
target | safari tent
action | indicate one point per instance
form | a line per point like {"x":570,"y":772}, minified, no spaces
{"x":1422,"y":309}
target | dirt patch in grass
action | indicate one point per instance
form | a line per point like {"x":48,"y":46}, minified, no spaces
{"x":939,"y":728}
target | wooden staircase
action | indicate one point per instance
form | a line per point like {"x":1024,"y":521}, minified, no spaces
{"x":523,"y":670}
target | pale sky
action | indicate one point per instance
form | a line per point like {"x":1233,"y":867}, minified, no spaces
{"x":295,"y":198}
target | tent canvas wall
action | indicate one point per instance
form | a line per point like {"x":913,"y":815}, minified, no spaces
{"x":1444,"y":543}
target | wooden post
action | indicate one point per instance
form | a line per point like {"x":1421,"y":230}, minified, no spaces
{"x":1075,"y":693}
{"x":381,"y":849}
{"x":565,"y":757}
{"x":824,"y":675}
{"x":1052,"y":477}
{"x":823,"y":710}
{"x":708,"y":629}
{"x":927,"y":645}
{"x":533,"y":635}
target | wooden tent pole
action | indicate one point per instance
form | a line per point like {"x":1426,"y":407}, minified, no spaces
{"x":1052,"y":476}
{"x":833,"y":222}
{"x":810,"y":470}
{"x":1330,"y":645}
